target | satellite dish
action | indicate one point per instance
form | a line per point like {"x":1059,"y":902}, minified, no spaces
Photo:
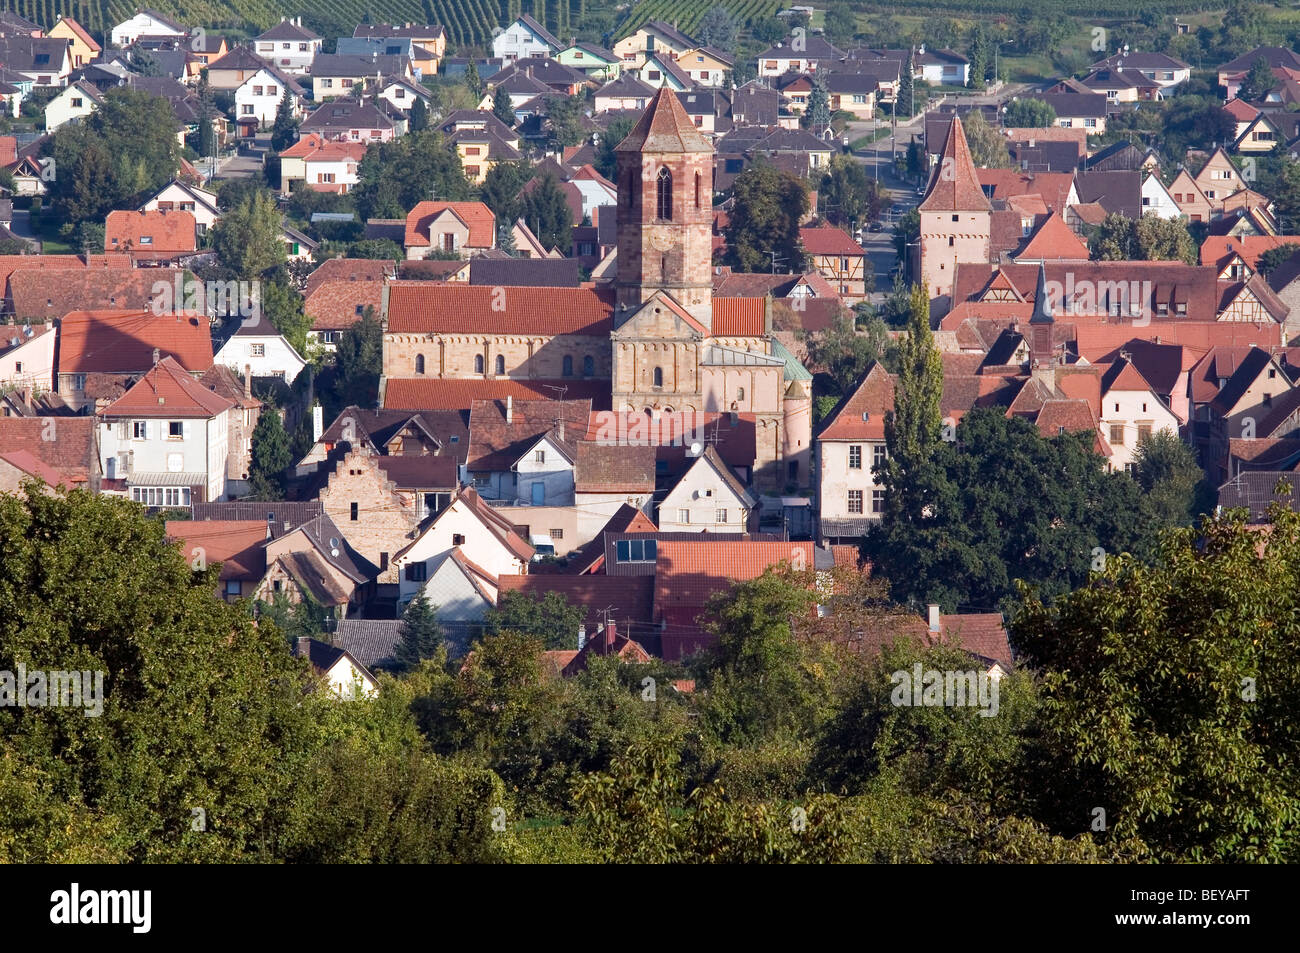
{"x":697,"y":448}
{"x":334,"y":553}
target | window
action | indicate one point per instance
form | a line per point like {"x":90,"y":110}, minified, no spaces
{"x":139,"y":430}
{"x":419,"y":363}
{"x":877,"y":501}
{"x":567,"y":365}
{"x":664,"y":191}
{"x":347,"y":83}
{"x":246,"y":109}
{"x":478,"y":363}
{"x":951,"y":241}
{"x":146,"y":239}
{"x":557,"y":533}
{"x":588,"y":366}
{"x":636,"y":550}
{"x":698,"y":181}
{"x":257,"y":90}
{"x":855,"y":458}
{"x":232,"y":587}
{"x":539,"y":456}
{"x":653,"y":75}
{"x":1090,"y":123}
{"x":257,"y":350}
{"x":448,"y":242}
{"x":855,"y":501}
{"x":457,"y":539}
{"x":1144,"y":432}
{"x":740,"y":393}
{"x":658,"y":377}
{"x":878,"y":455}
{"x":956,"y":218}
{"x":722,"y":516}
{"x":355,"y":512}
{"x":416,"y":572}
{"x":272,"y":90}
{"x":683,"y":516}
{"x":175,"y":430}
{"x":76,"y":102}
{"x":473,"y":171}
{"x":501,"y":364}
{"x":1117,"y":435}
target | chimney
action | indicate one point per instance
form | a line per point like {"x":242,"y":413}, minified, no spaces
{"x":608,"y":636}
{"x":510,"y":409}
{"x":582,"y":637}
{"x":304,"y":647}
{"x":248,"y":380}
{"x":559,"y":424}
{"x":156,"y":355}
{"x":270,"y":526}
{"x":317,"y":422}
{"x":934,"y":618}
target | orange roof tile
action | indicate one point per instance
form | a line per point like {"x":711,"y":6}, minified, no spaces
{"x":73,"y":454}
{"x":336,"y":305}
{"x":306,"y":145}
{"x":349,"y":269}
{"x":116,"y":341}
{"x":168,"y":391}
{"x":739,"y":317}
{"x":954,"y":186}
{"x":476,"y":216}
{"x":239,"y":545}
{"x":665,"y":127}
{"x":427,"y":308}
{"x":446,"y":394}
{"x":1054,"y":240}
{"x":160,"y":231}
{"x":829,"y":241}
{"x":862,"y":415}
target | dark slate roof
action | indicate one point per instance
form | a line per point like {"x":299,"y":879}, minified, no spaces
{"x":370,"y":641}
{"x":1091,"y":106}
{"x":525,"y":272}
{"x":1254,"y":490}
{"x":291,"y":512}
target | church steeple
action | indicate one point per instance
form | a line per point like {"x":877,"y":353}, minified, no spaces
{"x":664,"y":170}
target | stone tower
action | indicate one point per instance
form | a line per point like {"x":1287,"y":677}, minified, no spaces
{"x":956,"y":218}
{"x":664,"y":171}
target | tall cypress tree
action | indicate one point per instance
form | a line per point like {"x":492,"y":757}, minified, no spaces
{"x":421,"y":633}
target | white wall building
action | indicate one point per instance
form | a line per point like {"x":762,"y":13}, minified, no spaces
{"x":523,"y":39}
{"x":144,"y":24}
{"x":707,"y":497}
{"x":259,"y":346}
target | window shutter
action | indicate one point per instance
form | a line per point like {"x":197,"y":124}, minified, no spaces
{"x":145,"y":424}
{"x":185,"y":429}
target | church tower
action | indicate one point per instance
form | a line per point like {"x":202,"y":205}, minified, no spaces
{"x":956,"y":218}
{"x":664,"y":171}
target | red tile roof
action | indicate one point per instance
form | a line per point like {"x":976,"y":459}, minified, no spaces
{"x":1054,"y":240}
{"x":1218,"y":249}
{"x":349,"y":269}
{"x":239,"y":545}
{"x":829,"y":241}
{"x":113,"y":341}
{"x":167,"y":232}
{"x":1052,"y":187}
{"x":168,"y":391}
{"x":495,"y":444}
{"x":611,"y":468}
{"x":630,"y":599}
{"x":425,"y":308}
{"x":739,"y":317}
{"x":337,"y":305}
{"x":477,"y":216}
{"x":72,"y":453}
{"x":306,"y":145}
{"x":665,"y":127}
{"x":416,"y":393}
{"x":954,"y":186}
{"x":40,"y":293}
{"x":874,"y":398}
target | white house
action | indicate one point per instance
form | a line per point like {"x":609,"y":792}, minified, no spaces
{"x":483,"y":536}
{"x":346,"y":678}
{"x":1156,"y":199}
{"x":941,"y":67}
{"x":166,"y":437}
{"x":75,"y":102}
{"x":803,"y":54}
{"x":544,"y":473}
{"x":179,"y":196}
{"x":1130,"y":412}
{"x":402,"y":93}
{"x":707,"y":497}
{"x":260,"y":346}
{"x":289,"y":45}
{"x":27,"y":357}
{"x":523,"y":39}
{"x":260,"y":94}
{"x":849,"y":448}
{"x":334,"y":166}
{"x":462,"y":590}
{"x":145,"y":23}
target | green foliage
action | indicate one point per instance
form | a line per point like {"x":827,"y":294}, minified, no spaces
{"x":1258,"y":82}
{"x":501,"y":189}
{"x":283,"y":308}
{"x":548,"y":215}
{"x":1274,"y":257}
{"x":907,"y":230}
{"x":840,"y":24}
{"x":1029,"y":114}
{"x":247,"y":238}
{"x":845,"y":352}
{"x":1175,"y":490}
{"x":293,"y":620}
{"x":419,"y":118}
{"x":846,"y":194}
{"x":988,"y":147}
{"x":1168,"y":695}
{"x":270,"y":457}
{"x":284,"y":130}
{"x":502,"y":107}
{"x":564,"y":113}
{"x":116,"y":158}
{"x":552,"y":619}
{"x":614,"y":133}
{"x":358,"y":362}
{"x":1150,"y":238}
{"x":421,"y":633}
{"x":396,"y":175}
{"x":769,"y":204}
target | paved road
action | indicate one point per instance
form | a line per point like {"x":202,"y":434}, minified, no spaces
{"x":22,"y":226}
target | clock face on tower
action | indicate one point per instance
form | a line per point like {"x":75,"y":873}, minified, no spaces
{"x":661,"y":241}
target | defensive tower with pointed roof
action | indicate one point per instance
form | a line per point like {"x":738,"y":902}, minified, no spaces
{"x":956,"y":217}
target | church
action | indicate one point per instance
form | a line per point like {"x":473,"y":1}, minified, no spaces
{"x":653,"y":341}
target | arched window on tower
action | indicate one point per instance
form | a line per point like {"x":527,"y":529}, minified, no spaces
{"x":629,"y":194}
{"x":665,"y":192}
{"x":478,"y":363}
{"x":568,"y":365}
{"x":501,"y":364}
{"x":698,"y":181}
{"x":588,"y":366}
{"x":663,"y":266}
{"x":659,"y":377}
{"x":419,"y":363}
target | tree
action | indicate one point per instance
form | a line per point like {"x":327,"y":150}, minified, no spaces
{"x":845,"y":352}
{"x":989,"y":506}
{"x":840,"y":24}
{"x":817,"y":115}
{"x":767,"y":209}
{"x":547,"y":214}
{"x":1168,"y":693}
{"x":1174,"y":487}
{"x":502,"y":107}
{"x":247,"y":238}
{"x":419,"y":115}
{"x":904,"y":99}
{"x":552,"y":618}
{"x":564,"y":113}
{"x":283,"y":308}
{"x":988,"y":147}
{"x":358,"y":362}
{"x":717,"y":29}
{"x":472,"y":80}
{"x":907,"y":231}
{"x":1258,"y":82}
{"x":847,"y":194}
{"x":397,"y":175}
{"x":501,"y":190}
{"x":207,"y":139}
{"x":270,"y":457}
{"x":981,"y":56}
{"x":421,"y":634}
{"x":1275,"y":257}
{"x":1030,"y":113}
{"x":284,"y":130}
{"x":614,"y":133}
{"x":914,"y":425}
{"x":1163,"y":239}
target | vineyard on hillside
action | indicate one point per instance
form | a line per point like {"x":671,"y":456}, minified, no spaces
{"x":688,"y":13}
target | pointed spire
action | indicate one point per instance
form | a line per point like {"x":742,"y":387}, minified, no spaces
{"x":955,"y":185}
{"x":1042,"y":300}
{"x":665,"y":127}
